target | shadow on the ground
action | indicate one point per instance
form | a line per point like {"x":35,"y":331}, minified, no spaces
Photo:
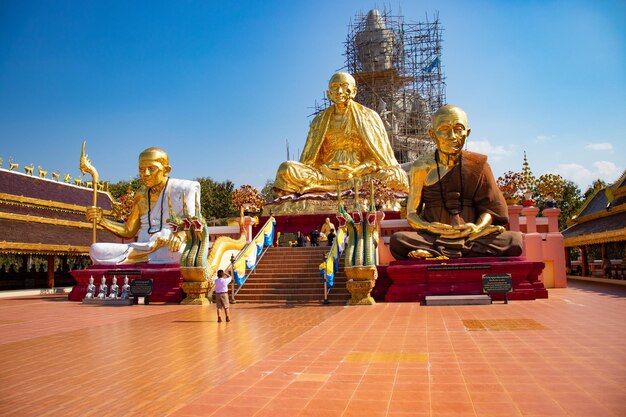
{"x":599,"y":288}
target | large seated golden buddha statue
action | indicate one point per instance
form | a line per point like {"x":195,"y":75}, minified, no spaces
{"x":346,"y":141}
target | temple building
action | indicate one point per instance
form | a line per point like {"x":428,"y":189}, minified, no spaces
{"x":598,"y":232}
{"x":43,"y":230}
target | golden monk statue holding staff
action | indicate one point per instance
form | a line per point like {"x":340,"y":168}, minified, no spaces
{"x":345,"y":141}
{"x":156,"y":242}
{"x":454,"y":205}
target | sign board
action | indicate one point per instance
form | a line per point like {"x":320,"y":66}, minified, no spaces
{"x":498,"y":283}
{"x":141,"y":288}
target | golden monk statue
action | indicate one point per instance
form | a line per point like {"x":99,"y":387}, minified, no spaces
{"x":345,"y":141}
{"x":156,"y":243}
{"x":454,"y":203}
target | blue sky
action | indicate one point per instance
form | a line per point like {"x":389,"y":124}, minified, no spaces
{"x":221,"y":85}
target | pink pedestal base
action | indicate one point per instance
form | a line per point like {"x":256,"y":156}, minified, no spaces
{"x":414,"y":280}
{"x":167,"y":280}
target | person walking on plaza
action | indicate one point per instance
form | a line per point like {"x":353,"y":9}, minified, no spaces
{"x":221,"y":294}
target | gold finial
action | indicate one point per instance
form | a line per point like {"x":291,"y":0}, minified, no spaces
{"x":339,"y":200}
{"x":198,"y":209}
{"x":169,"y":202}
{"x":29,"y":169}
{"x":56,"y":175}
{"x":12,"y":165}
{"x":67,"y":178}
{"x":185,"y":213}
{"x":357,"y":204}
{"x":41,"y":172}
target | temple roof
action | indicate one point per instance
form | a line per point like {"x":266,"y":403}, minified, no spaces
{"x":602,"y":218}
{"x":43,"y":216}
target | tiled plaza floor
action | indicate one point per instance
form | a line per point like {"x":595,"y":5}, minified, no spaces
{"x":564,"y":356}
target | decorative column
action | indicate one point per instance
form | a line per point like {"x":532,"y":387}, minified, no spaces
{"x":553,"y":248}
{"x":514,"y":213}
{"x":50,"y":271}
{"x":532,"y":239}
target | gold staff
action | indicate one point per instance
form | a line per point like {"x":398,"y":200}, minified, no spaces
{"x":85,"y":166}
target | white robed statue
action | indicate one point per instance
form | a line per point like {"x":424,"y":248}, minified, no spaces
{"x":156,"y":242}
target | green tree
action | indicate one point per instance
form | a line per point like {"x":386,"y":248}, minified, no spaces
{"x":570,"y":203}
{"x":215,"y":198}
{"x":596,"y":185}
{"x":120,"y":188}
{"x":268,"y":190}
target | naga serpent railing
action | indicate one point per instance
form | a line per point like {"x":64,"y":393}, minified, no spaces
{"x":247,"y":260}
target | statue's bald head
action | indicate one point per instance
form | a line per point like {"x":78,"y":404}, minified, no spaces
{"x":155,"y":154}
{"x":449,"y":110}
{"x":341,"y":87}
{"x":342,"y":77}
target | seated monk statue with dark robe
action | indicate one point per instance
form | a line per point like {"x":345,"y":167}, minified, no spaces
{"x":454,"y":205}
{"x":345,"y":141}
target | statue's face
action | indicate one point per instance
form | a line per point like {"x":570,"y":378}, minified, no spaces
{"x":450,"y":131}
{"x":341,"y":88}
{"x":152,"y":172}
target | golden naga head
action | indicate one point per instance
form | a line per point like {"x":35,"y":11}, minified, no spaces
{"x":449,"y":129}
{"x":153,"y":167}
{"x":341,"y":88}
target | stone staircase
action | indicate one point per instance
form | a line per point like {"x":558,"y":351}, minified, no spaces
{"x":292,"y":275}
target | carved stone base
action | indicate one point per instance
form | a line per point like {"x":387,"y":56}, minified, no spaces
{"x":360,"y":292}
{"x":196,"y":293}
{"x":361,"y":280}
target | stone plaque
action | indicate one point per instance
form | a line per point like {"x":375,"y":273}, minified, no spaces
{"x":141,"y":287}
{"x":497,"y":283}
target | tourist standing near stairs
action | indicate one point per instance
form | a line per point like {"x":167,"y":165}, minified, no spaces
{"x":221,"y":294}
{"x":315,"y":237}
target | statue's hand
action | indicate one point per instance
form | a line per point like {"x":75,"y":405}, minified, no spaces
{"x":461,"y":231}
{"x":94,"y":213}
{"x":364,"y":169}
{"x":175,"y":242}
{"x":438,"y":228}
{"x":344,"y":174}
{"x":486,"y":231}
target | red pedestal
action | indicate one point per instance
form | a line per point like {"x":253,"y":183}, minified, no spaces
{"x":166,"y":287}
{"x":414,"y":280}
{"x":305,"y":222}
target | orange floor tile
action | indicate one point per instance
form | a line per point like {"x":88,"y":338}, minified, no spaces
{"x":564,"y":356}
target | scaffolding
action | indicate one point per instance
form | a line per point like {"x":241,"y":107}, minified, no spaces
{"x":398,"y":70}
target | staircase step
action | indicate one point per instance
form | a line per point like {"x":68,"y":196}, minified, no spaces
{"x":292,"y":275}
{"x":457,"y":300}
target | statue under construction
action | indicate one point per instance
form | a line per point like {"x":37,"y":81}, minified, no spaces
{"x":397,"y":67}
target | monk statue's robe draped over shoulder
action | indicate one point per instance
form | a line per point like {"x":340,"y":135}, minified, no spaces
{"x":454,"y":203}
{"x":345,"y":141}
